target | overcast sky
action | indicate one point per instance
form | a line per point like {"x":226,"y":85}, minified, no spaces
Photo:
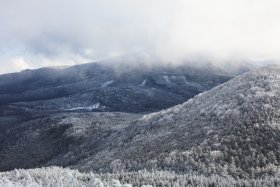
{"x":37,"y":33}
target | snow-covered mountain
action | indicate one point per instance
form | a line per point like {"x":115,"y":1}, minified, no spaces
{"x":231,"y":131}
{"x":112,"y":86}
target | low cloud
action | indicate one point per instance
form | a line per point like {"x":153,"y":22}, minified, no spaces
{"x":47,"y":33}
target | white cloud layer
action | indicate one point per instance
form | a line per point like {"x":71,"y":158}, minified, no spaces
{"x":49,"y":32}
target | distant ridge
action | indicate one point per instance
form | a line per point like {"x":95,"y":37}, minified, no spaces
{"x":116,"y":85}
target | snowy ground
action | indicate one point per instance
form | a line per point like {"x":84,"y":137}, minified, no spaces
{"x":59,"y":177}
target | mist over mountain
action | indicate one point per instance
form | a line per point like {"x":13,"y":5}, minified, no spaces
{"x":37,"y":34}
{"x":110,"y":85}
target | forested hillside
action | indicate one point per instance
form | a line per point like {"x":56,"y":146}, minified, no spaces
{"x":231,"y":130}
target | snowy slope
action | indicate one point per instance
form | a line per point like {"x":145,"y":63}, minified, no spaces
{"x":59,"y":177}
{"x":231,"y":130}
{"x":64,"y":138}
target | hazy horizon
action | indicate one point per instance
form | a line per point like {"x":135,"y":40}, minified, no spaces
{"x":52,"y":33}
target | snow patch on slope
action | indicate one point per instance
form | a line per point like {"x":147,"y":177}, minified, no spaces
{"x":190,"y":83}
{"x":106,"y":84}
{"x":88,"y":108}
{"x":143,"y":83}
{"x":166,"y":78}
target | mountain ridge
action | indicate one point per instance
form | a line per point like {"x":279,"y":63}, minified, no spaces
{"x":233,"y":125}
{"x":117,"y":88}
